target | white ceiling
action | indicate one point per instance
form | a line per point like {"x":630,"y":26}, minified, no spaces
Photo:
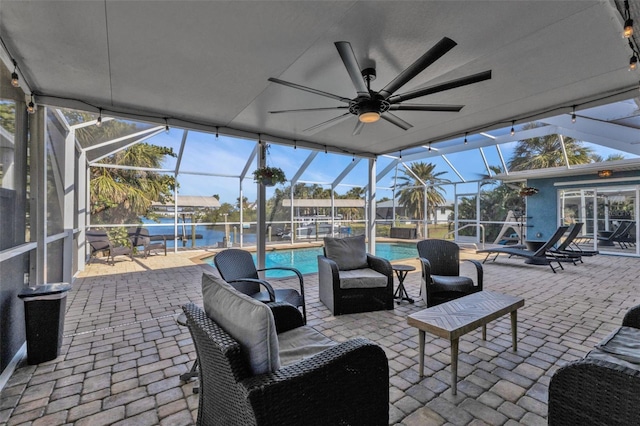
{"x":206,"y":64}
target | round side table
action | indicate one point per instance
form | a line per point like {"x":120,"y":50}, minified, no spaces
{"x":401,"y":272}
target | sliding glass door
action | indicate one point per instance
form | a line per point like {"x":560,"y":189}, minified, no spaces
{"x":609,"y":215}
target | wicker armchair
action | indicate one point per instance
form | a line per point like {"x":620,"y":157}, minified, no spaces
{"x":604,"y":387}
{"x":441,"y":280}
{"x":238,"y":269}
{"x":348,"y":286}
{"x":347,"y":384}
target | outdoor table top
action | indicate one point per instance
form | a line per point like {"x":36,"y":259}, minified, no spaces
{"x":403,"y":268}
{"x":453,"y":319}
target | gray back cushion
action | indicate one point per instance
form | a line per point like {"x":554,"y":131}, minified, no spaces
{"x":247,"y":320}
{"x":349,"y":253}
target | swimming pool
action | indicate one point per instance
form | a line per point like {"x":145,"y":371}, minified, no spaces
{"x":306,"y":259}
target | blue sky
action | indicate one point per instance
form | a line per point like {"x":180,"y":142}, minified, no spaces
{"x":224,"y":155}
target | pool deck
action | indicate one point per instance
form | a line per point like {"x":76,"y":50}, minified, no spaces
{"x":123,"y":352}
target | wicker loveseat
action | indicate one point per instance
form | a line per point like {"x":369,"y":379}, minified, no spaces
{"x":603,"y":388}
{"x":275,"y":371}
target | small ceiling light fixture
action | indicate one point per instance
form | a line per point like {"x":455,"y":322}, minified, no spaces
{"x":465,"y":137}
{"x":15,"y":81}
{"x":573,"y":114}
{"x":369,"y":112}
{"x":400,"y":154}
{"x":633,"y":63}
{"x":429,"y":146}
{"x":513,"y":131}
{"x":627,"y":31}
{"x":166,"y":126}
{"x":605,"y":173}
{"x":628,"y":28}
{"x":99,"y":120}
{"x":217,"y":132}
{"x":31,"y":107}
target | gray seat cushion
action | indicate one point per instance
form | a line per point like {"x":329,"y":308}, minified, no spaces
{"x":301,"y":343}
{"x":362,"y":278}
{"x":623,"y":343}
{"x":348,"y":253}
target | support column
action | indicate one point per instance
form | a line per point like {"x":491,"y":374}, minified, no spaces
{"x":68,"y":209}
{"x":83,"y":202}
{"x":371,"y":219}
{"x":262,"y":209}
{"x":38,"y":208}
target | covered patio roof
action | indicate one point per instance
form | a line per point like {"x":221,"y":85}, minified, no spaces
{"x":206,"y":65}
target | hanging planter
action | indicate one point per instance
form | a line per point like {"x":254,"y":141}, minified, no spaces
{"x":269,"y":176}
{"x":529,"y":190}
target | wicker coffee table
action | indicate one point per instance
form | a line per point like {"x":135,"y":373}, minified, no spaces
{"x":451,"y":320}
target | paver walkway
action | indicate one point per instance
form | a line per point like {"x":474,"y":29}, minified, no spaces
{"x":123,"y":353}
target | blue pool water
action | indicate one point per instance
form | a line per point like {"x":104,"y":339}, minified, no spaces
{"x":306,"y":259}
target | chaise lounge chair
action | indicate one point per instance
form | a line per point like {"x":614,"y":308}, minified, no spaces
{"x":542,"y":256}
{"x":565,"y":248}
{"x":627,"y":238}
{"x":610,"y":239}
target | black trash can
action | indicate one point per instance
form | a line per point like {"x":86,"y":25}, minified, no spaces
{"x":44,"y":308}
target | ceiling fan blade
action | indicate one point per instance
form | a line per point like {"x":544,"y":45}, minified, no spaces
{"x":358,"y":128}
{"x":325,"y":123}
{"x":394,"y":119}
{"x":309,"y":89}
{"x":308,"y":109}
{"x":432,"y":55}
{"x":351,"y":64}
{"x":464,"y":81}
{"x":420,"y":107}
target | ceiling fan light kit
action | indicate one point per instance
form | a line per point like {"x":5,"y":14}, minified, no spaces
{"x":370,"y":105}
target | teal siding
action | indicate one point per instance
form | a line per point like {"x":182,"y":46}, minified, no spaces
{"x":542,"y":208}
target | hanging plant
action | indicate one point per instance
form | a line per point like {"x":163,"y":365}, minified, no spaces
{"x":269,"y":176}
{"x":528,"y":190}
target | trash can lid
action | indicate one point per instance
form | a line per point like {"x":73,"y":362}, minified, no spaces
{"x":44,"y":290}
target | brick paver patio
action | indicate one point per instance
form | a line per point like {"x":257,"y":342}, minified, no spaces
{"x":123,"y":352}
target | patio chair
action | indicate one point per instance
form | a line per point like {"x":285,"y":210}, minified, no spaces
{"x":238,"y":269}
{"x":610,"y":240}
{"x":100,"y":242}
{"x":603,"y":388}
{"x":568,"y":247}
{"x":627,"y":238}
{"x":441,"y":279}
{"x":259,"y":365}
{"x":542,"y":256}
{"x":140,"y":237}
{"x":351,"y":280}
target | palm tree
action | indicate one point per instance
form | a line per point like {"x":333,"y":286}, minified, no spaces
{"x":611,"y":157}
{"x":352,"y":213}
{"x":546,"y":151}
{"x":118,"y":195}
{"x":122,"y":196}
{"x":411,"y":190}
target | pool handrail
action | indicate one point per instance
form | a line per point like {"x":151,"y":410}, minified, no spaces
{"x":481,"y":226}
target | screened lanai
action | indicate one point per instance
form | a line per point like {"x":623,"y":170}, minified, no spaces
{"x":465,"y":170}
{"x":195,"y":77}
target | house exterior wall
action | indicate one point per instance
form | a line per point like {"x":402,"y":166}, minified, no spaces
{"x":543,"y":208}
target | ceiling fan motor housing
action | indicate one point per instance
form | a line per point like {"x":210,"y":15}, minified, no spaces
{"x":361,"y":105}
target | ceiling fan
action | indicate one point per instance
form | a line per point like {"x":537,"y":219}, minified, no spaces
{"x":370,"y":105}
